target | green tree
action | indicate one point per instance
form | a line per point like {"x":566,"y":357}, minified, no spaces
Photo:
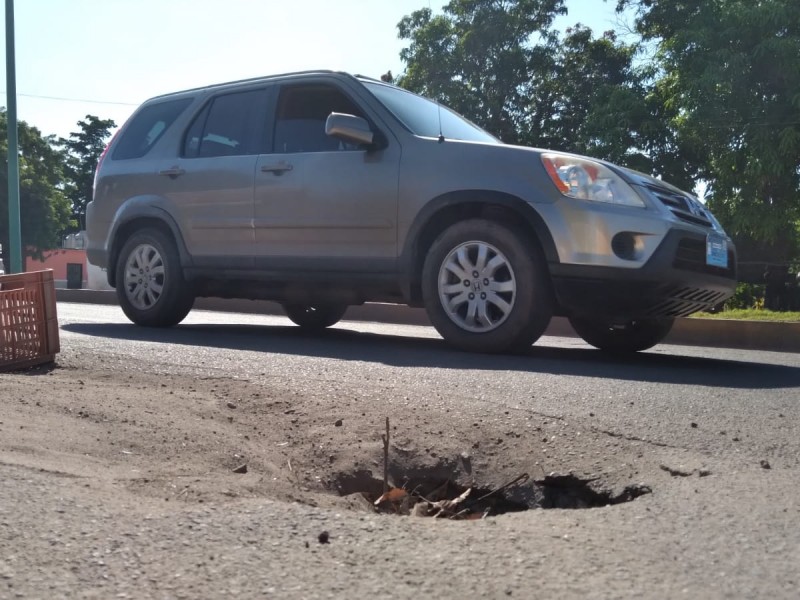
{"x":500,"y":65}
{"x":729,"y":75}
{"x":44,"y":209}
{"x":476,"y":57}
{"x":83,"y":149}
{"x":588,"y":96}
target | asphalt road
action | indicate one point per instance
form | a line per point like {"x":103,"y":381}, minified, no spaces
{"x":699,"y":426}
{"x":670,"y":387}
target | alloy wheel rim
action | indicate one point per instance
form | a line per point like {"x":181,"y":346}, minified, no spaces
{"x":144,"y":276}
{"x":477,"y":287}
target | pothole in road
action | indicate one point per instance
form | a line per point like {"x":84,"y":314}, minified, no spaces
{"x":427,"y":493}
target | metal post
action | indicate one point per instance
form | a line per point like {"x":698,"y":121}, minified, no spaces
{"x":14,"y":228}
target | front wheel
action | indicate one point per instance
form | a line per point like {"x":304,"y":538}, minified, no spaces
{"x":486,"y":287}
{"x":150,"y":285}
{"x":315,"y":317}
{"x":631,"y":336}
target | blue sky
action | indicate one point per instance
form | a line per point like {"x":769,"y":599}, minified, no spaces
{"x":118,"y":53}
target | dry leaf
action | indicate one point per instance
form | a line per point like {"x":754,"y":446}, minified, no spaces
{"x":393,"y":495}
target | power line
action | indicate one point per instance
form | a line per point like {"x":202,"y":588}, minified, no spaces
{"x":63,"y":99}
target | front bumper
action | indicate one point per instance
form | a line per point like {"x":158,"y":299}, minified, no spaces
{"x":675,"y":282}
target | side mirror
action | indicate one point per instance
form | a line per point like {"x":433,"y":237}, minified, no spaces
{"x":349,"y":127}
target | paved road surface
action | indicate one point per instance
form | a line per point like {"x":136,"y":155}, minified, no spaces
{"x":662,"y":418}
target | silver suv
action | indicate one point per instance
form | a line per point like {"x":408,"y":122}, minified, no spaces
{"x":321,"y":190}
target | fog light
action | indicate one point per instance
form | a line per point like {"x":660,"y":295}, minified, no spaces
{"x":627,"y":245}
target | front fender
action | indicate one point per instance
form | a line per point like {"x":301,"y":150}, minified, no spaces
{"x":447,"y":208}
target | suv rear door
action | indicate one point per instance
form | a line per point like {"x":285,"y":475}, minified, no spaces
{"x":210,"y":185}
{"x":321,"y":203}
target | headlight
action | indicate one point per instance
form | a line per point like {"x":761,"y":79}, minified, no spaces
{"x":588,"y":180}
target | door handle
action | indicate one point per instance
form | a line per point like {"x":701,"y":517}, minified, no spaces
{"x":278,"y":169}
{"x":172,"y":172}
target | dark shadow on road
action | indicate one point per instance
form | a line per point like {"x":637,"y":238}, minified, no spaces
{"x":44,"y":369}
{"x":400,"y":351}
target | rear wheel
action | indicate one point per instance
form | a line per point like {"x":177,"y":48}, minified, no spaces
{"x":150,"y":285}
{"x":486,"y":287}
{"x":315,"y":316}
{"x":632,"y":336}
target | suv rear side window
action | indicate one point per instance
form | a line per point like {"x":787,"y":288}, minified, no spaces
{"x":147,"y":127}
{"x":229,"y":125}
{"x":301,"y":115}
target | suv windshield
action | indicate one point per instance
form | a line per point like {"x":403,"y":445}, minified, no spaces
{"x":423,"y":117}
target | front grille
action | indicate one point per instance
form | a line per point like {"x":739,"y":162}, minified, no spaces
{"x":690,"y":255}
{"x":682,"y":206}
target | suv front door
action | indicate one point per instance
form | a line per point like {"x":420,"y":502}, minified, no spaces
{"x":322,"y":203}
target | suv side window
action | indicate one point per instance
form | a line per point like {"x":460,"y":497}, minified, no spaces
{"x":147,"y":127}
{"x":227,"y":126}
{"x":300,"y":119}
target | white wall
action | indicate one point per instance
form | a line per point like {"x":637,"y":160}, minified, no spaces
{"x":96,"y":278}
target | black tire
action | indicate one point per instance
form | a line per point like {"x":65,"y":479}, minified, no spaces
{"x":150,"y":285}
{"x":511,"y":300}
{"x":315,"y":317}
{"x":633,"y":336}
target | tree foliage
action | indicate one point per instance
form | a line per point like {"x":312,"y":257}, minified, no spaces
{"x":476,"y":57}
{"x":588,"y":96}
{"x":83,"y":149}
{"x":44,"y":209}
{"x":730,"y":75}
{"x":500,"y":64}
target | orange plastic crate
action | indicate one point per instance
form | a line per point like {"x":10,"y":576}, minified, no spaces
{"x":28,"y":320}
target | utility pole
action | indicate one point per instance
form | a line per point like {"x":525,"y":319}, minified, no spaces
{"x":14,"y":228}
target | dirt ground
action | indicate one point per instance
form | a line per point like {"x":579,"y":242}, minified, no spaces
{"x":117,"y":481}
{"x":187,"y":440}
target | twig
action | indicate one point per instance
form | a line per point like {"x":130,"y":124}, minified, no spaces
{"x":385,"y":439}
{"x":460,"y":513}
{"x":520,"y":479}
